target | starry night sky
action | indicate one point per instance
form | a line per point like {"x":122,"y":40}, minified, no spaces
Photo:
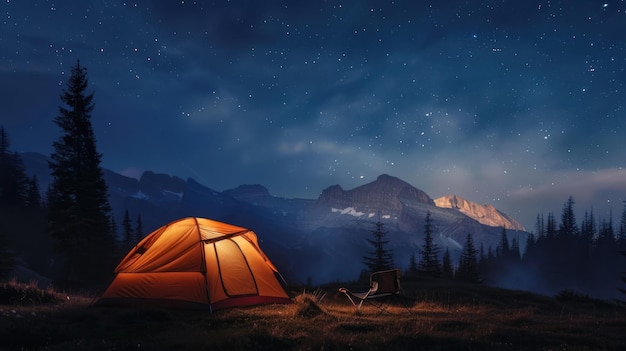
{"x":519,"y":104}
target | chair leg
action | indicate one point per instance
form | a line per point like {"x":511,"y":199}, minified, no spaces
{"x":383,"y":308}
{"x":352,"y":301}
{"x":358,"y":306}
{"x":402,"y":298}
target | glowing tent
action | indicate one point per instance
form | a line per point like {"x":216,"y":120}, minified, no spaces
{"x":196,"y":262}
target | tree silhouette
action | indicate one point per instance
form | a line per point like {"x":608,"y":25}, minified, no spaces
{"x":114,"y":231}
{"x":621,"y":233}
{"x":381,"y":258}
{"x":412,"y":265}
{"x":78,"y":207}
{"x":568,"y":227}
{"x":529,"y":250}
{"x":138,"y":234}
{"x":429,"y":261}
{"x":447,"y":270}
{"x":33,"y":194}
{"x":468,"y":262}
{"x":13,"y":180}
{"x":21,"y":215}
{"x":623,"y":276}
{"x":504,"y":250}
{"x":515,"y":250}
{"x":567,"y":242}
{"x":127,"y":232}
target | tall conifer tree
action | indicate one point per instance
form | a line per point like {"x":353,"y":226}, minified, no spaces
{"x":468,"y":262}
{"x":504,"y":250}
{"x":429,"y":261}
{"x":79,"y":211}
{"x":568,"y":227}
{"x":127,"y":231}
{"x":381,"y":258}
{"x":33,"y":194}
{"x":13,"y":180}
{"x":138,"y":234}
{"x":447,"y":271}
{"x":621,"y":233}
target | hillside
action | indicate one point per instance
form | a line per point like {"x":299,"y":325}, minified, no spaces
{"x":439,"y":317}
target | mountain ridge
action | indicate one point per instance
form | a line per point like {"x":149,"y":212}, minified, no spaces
{"x":386,"y":191}
{"x":321,"y":239}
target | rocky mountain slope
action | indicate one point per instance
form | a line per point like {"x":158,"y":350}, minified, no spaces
{"x":485,"y":214}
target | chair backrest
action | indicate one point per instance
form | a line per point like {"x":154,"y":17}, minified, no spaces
{"x":388,"y":281}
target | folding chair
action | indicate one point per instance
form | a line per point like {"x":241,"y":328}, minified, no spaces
{"x":383,"y":285}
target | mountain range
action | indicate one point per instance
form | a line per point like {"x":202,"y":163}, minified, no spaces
{"x":310,"y":240}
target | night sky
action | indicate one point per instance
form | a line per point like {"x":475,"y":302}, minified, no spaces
{"x":519,"y":104}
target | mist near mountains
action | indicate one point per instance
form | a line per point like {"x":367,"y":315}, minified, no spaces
{"x":317,"y":241}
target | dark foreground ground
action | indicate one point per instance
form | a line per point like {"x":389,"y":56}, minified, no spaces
{"x":439,"y":317}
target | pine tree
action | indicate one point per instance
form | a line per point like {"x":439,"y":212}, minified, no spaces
{"x":468,"y":262}
{"x":429,"y":262}
{"x":5,"y":144}
{"x":623,"y":275}
{"x":488,"y":265}
{"x":127,"y":231}
{"x":566,"y":241}
{"x":79,"y":211}
{"x":606,"y":260}
{"x":381,"y":258}
{"x":515,"y":249}
{"x":588,"y":232}
{"x":621,"y":233}
{"x":551,"y":226}
{"x":33,"y":195}
{"x":113,"y":228}
{"x":412,"y":265}
{"x":529,"y":250}
{"x":13,"y":179}
{"x":605,"y":242}
{"x":138,"y":234}
{"x":582,"y":247}
{"x":447,"y":271}
{"x":621,"y":245}
{"x":540,"y":227}
{"x":504,"y":250}
{"x":568,"y":227}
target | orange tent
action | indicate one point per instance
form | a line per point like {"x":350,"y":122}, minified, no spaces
{"x":197,"y":262}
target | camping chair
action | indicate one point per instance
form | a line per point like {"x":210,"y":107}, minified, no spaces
{"x":383,"y":285}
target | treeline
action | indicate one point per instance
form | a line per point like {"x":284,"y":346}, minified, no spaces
{"x":560,"y":256}
{"x":21,"y":209}
{"x":587,"y":258}
{"x":381,"y":258}
{"x":16,"y":189}
{"x":69,"y":234}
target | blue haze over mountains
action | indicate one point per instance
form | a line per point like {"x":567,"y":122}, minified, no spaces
{"x":310,"y":240}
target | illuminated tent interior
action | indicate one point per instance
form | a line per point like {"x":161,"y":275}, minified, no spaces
{"x":196,"y":262}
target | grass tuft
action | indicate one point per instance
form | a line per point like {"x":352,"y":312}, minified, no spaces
{"x":14,"y":293}
{"x":307,"y":304}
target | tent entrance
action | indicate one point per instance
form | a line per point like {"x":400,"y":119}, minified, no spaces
{"x":235,"y":272}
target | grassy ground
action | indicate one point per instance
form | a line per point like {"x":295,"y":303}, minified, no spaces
{"x":439,"y":317}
